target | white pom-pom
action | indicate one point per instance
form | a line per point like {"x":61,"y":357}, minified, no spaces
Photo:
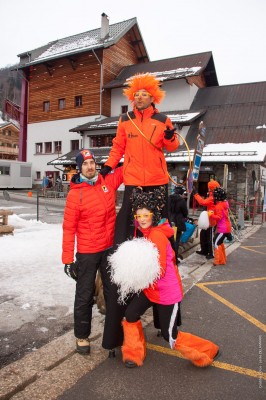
{"x":134,"y":266}
{"x":203,"y":221}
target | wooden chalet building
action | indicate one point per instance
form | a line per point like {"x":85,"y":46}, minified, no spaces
{"x":9,"y":140}
{"x":63,"y":87}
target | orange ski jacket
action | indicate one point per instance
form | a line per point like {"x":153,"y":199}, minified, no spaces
{"x":209,"y":203}
{"x":144,"y":162}
{"x":89,"y":216}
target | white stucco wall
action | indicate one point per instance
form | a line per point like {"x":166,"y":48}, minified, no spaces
{"x":179,"y":96}
{"x":51,"y":131}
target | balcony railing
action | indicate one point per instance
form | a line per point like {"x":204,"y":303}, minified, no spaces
{"x":8,"y":150}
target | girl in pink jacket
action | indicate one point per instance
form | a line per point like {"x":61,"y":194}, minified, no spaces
{"x":164,"y":292}
{"x":223,"y":228}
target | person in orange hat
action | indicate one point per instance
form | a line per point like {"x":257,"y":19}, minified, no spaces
{"x":206,"y":235}
{"x":141,"y":137}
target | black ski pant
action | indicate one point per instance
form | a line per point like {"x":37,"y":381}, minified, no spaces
{"x":177,"y":241}
{"x":167,"y":315}
{"x":88,"y":264}
{"x":206,"y":240}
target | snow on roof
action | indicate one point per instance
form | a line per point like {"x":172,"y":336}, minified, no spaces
{"x":106,"y":125}
{"x":183,"y":117}
{"x":82,"y":42}
{"x":171,"y":74}
{"x":225,"y":152}
{"x":65,"y":46}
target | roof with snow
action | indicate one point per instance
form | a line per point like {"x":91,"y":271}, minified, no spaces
{"x":82,"y":42}
{"x":5,"y":124}
{"x":177,"y":117}
{"x":171,"y":68}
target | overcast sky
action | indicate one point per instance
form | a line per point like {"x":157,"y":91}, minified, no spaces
{"x":234,"y":30}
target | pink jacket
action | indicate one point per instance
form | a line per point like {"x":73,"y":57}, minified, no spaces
{"x":221,"y":216}
{"x":167,"y":289}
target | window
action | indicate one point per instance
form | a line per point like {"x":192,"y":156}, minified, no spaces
{"x":38,"y":148}
{"x":101,"y":141}
{"x":61,"y":104}
{"x":48,"y":147}
{"x":57,"y":147}
{"x":4,"y":170}
{"x":78,"y":101}
{"x":74,"y":145}
{"x":46,"y":106}
{"x":124,"y":109}
{"x":38,"y":174}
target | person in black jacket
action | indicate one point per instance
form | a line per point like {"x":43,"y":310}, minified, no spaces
{"x":178,"y":212}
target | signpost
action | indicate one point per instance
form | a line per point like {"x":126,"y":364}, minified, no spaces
{"x":193,"y":174}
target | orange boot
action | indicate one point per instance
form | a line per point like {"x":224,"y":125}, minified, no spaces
{"x":218,"y":256}
{"x":223,"y":254}
{"x":200,"y":352}
{"x":134,"y":346}
{"x":216,"y":260}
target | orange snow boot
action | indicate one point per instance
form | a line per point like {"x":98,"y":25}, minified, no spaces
{"x":134,"y":345}
{"x":218,"y":256}
{"x":216,"y":260}
{"x":223,"y":254}
{"x":200,"y":352}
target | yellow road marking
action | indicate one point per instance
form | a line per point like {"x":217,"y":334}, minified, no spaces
{"x":232,"y":281}
{"x":216,"y":364}
{"x":249,"y":249}
{"x":263,"y":245}
{"x":238,"y":310}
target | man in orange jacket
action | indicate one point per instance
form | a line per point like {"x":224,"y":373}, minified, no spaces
{"x":89,"y":221}
{"x":141,"y":136}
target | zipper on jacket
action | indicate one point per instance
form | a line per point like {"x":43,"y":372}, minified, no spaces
{"x":153,"y":132}
{"x":162,"y":165}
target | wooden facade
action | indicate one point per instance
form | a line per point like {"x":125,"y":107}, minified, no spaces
{"x":55,"y":85}
{"x":9,"y":139}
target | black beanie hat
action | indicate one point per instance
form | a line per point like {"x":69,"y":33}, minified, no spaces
{"x":153,"y":201}
{"x":84,"y":155}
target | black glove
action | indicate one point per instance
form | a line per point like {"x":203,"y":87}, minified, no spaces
{"x":169,"y":133}
{"x":72,"y":270}
{"x":105,"y":170}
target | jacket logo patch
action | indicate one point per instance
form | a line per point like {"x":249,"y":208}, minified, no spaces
{"x":104,"y":188}
{"x":131,"y":136}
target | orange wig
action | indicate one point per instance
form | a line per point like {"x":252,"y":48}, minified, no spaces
{"x":147,"y":82}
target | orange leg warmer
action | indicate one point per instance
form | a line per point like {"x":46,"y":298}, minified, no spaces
{"x":219,"y":256}
{"x":223,"y":254}
{"x":134,"y":346}
{"x":200,"y":352}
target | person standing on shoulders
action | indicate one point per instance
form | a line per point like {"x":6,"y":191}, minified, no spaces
{"x":141,"y":137}
{"x":89,"y":221}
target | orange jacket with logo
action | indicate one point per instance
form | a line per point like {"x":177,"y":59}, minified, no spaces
{"x":209,"y":203}
{"x":144,"y":164}
{"x":89,"y":216}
